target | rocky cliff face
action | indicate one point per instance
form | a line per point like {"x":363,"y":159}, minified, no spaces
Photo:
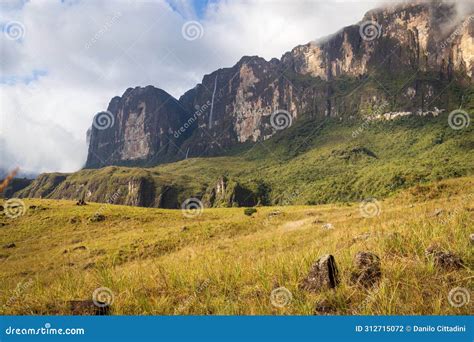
{"x":139,"y":129}
{"x":397,"y":59}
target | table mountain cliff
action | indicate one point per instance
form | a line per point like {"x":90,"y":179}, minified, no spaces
{"x":401,"y":57}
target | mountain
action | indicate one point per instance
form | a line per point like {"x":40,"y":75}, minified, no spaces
{"x":362,"y":113}
{"x":401,"y":58}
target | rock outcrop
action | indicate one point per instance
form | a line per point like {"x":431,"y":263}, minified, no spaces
{"x":137,"y":129}
{"x":367,"y":269}
{"x":323,"y":275}
{"x":228,"y":193}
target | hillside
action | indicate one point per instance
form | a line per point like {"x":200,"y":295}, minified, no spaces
{"x":158,"y":261}
{"x":310,"y":162}
{"x":351,"y":116}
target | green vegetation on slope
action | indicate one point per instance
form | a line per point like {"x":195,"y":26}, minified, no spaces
{"x":310,"y":162}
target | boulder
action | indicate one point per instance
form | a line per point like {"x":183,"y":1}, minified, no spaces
{"x":444,"y":259}
{"x":323,"y":275}
{"x":367,"y":269}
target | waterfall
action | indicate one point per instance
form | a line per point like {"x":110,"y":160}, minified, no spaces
{"x":212,"y":103}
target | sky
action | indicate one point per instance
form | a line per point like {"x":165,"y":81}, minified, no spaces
{"x":62,"y":61}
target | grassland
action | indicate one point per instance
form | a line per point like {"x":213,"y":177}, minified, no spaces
{"x":157,"y":261}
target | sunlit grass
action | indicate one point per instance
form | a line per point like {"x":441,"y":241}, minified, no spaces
{"x":156,"y":261}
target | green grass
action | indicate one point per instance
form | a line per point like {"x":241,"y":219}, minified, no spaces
{"x":157,"y":261}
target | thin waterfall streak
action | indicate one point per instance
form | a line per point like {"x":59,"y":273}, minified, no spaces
{"x":212,"y":102}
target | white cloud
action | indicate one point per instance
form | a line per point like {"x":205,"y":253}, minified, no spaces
{"x":94,"y":50}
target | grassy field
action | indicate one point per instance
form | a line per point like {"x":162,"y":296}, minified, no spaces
{"x":157,"y":261}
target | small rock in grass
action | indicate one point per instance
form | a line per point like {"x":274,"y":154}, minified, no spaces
{"x":471,"y":238}
{"x":79,"y":248}
{"x":81,"y":202}
{"x":328,"y":226}
{"x":250,"y":211}
{"x":10,"y":245}
{"x":97,"y":218}
{"x":364,"y":236}
{"x":184,"y":229}
{"x":87,"y":307}
{"x":323,"y":274}
{"x":89,"y":265}
{"x":323,"y":307}
{"x":368,"y":270}
{"x":444,"y":259}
